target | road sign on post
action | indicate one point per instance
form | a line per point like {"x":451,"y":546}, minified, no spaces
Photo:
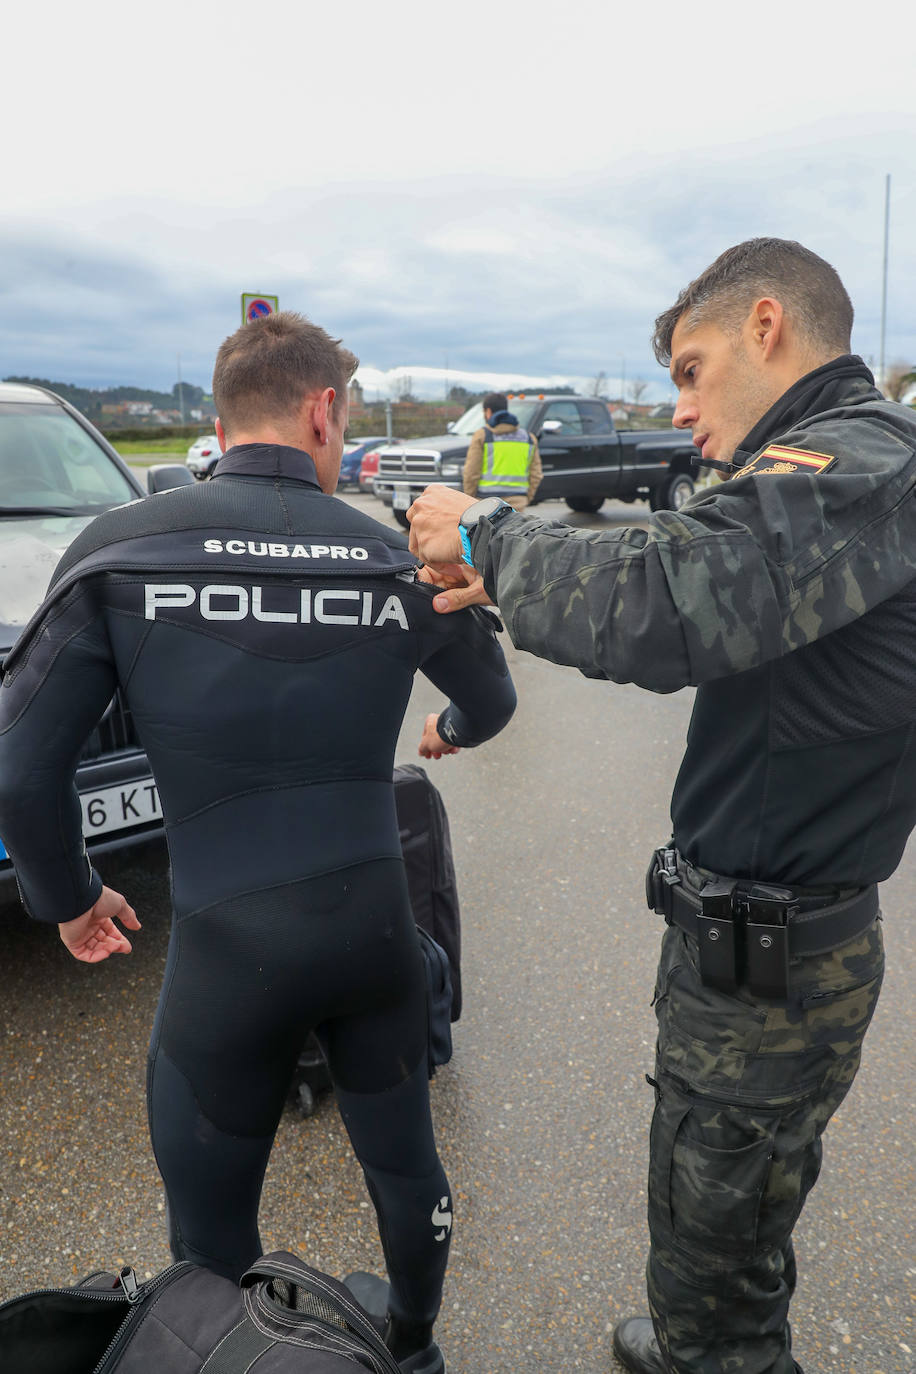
{"x":255,"y":305}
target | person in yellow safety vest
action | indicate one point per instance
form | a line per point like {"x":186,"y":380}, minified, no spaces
{"x":502,"y":458}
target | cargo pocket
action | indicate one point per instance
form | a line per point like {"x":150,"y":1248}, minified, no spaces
{"x":670,"y":1110}
{"x":709,"y":1165}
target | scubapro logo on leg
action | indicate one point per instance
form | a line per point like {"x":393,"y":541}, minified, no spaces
{"x":442,"y":1217}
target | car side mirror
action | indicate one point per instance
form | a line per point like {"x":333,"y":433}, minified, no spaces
{"x":551,"y":426}
{"x":167,"y":476}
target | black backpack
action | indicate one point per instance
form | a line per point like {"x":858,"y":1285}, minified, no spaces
{"x":427,"y":847}
{"x":284,"y":1318}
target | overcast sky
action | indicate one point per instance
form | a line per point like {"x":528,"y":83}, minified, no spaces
{"x":488,"y":188}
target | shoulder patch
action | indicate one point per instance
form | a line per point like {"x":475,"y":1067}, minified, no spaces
{"x":776,"y":458}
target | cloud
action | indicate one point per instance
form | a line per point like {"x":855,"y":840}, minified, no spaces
{"x":539,"y":276}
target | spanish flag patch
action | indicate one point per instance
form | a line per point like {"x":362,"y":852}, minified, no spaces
{"x":779,"y":459}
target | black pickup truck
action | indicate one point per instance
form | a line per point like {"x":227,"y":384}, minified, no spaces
{"x":585,"y":459}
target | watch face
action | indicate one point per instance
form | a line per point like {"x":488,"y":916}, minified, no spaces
{"x":486,"y":508}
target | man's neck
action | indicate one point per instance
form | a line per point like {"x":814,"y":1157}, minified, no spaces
{"x":266,"y":434}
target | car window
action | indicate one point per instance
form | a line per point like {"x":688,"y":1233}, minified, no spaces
{"x":47,"y":459}
{"x":595,"y":417}
{"x":472,"y":419}
{"x":567,"y":414}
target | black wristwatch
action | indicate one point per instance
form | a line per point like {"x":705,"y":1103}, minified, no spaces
{"x":492,"y":508}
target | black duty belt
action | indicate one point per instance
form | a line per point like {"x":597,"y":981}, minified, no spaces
{"x":747,"y":932}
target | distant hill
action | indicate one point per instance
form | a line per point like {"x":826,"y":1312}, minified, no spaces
{"x":99,"y":403}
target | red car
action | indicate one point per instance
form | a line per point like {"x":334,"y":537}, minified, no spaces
{"x":368,"y":470}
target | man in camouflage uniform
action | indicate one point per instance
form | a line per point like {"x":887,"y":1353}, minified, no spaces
{"x":787,"y":595}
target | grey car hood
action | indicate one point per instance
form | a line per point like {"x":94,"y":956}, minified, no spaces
{"x":30,"y":549}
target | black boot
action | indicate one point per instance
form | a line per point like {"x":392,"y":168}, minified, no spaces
{"x":371,"y":1292}
{"x":410,"y":1343}
{"x":636,"y":1347}
{"x":413,"y":1347}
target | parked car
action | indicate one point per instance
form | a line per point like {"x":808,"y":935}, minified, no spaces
{"x":353,"y":455}
{"x":203,"y":456}
{"x":368,"y":470}
{"x":56,"y":474}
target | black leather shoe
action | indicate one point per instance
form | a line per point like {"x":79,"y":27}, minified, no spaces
{"x":636,"y":1347}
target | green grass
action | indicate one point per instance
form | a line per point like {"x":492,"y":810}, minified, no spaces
{"x":160,"y":448}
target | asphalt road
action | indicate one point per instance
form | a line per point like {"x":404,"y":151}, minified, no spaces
{"x":543,"y":1114}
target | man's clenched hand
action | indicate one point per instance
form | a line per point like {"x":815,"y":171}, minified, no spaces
{"x":433,"y":520}
{"x":434,"y":537}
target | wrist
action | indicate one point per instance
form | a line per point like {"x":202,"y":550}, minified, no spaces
{"x":491,"y":508}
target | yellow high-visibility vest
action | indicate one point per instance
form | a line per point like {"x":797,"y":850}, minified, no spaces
{"x":507,"y":460}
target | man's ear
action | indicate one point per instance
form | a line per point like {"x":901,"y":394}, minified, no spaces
{"x":320,"y":405}
{"x":767,"y":324}
{"x":221,"y":436}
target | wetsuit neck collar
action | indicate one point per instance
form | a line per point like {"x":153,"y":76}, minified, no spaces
{"x":841,"y":382}
{"x":268,"y":460}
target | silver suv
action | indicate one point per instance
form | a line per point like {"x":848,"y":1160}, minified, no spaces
{"x":56,"y":474}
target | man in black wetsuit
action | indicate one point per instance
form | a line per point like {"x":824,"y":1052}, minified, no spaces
{"x":266,"y":637}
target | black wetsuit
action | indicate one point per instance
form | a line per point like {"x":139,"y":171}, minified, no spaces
{"x":266,"y":637}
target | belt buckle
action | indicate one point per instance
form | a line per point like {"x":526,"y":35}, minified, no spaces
{"x":660,"y":879}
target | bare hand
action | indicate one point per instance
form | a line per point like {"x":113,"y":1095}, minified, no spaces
{"x":445,"y":574}
{"x":432,"y":745}
{"x":433,"y":520}
{"x":471,"y":593}
{"x":461,"y":586}
{"x":94,"y":935}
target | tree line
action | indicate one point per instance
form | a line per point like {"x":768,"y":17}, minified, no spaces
{"x":90,"y":400}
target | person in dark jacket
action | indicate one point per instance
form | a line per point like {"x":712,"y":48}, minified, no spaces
{"x":787,"y":595}
{"x":266,"y":637}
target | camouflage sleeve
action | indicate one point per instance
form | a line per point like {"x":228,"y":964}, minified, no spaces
{"x":750,"y":570}
{"x":473,"y":464}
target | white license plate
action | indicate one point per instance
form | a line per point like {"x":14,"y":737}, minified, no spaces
{"x":115,"y":808}
{"x":400,"y":500}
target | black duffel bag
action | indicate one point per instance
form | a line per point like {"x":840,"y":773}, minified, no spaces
{"x":284,"y":1318}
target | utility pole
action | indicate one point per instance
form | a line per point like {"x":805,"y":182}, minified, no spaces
{"x":887,"y":220}
{"x":180,"y":390}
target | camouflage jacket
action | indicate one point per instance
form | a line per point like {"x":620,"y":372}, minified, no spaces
{"x":757,"y":566}
{"x":787,"y":594}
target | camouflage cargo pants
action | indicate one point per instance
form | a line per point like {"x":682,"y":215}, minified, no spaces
{"x":744,"y":1089}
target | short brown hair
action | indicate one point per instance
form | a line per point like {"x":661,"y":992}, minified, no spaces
{"x":807,"y":286}
{"x":496,"y":401}
{"x":265,"y":369}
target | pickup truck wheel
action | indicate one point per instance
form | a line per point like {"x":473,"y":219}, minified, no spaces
{"x":673,"y":494}
{"x":401,"y":517}
{"x":587,"y":505}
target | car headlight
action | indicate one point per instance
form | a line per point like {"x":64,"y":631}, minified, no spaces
{"x":450,"y":470}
